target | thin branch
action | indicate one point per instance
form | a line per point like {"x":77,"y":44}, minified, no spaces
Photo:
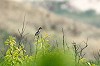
{"x":63,"y":40}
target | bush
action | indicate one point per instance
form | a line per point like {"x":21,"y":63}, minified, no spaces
{"x":44,"y":55}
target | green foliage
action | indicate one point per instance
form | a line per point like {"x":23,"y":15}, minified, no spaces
{"x":51,"y":59}
{"x":14,"y":55}
{"x":46,"y":56}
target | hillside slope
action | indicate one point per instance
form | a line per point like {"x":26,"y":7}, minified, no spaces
{"x":12,"y":17}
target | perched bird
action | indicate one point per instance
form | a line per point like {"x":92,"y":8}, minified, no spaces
{"x":38,"y":31}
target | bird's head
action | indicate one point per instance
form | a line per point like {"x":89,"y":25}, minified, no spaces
{"x":40,"y":28}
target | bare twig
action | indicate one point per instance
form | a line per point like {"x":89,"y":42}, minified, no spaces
{"x":78,"y":50}
{"x":21,"y":33}
{"x":75,"y":51}
{"x":63,"y":40}
{"x":96,"y":55}
{"x":30,"y":48}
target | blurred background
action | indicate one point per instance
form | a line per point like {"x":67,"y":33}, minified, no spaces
{"x":80,"y":20}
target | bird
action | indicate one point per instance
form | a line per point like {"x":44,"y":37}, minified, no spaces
{"x":38,"y":31}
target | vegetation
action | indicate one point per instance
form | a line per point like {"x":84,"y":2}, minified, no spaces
{"x":41,"y":50}
{"x":45,"y":54}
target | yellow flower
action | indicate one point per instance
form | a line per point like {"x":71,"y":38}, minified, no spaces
{"x":83,"y":60}
{"x":46,"y":35}
{"x":90,"y":64}
{"x":93,"y":65}
{"x":10,"y":41}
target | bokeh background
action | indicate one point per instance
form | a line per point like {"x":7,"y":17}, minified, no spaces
{"x":80,"y":20}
